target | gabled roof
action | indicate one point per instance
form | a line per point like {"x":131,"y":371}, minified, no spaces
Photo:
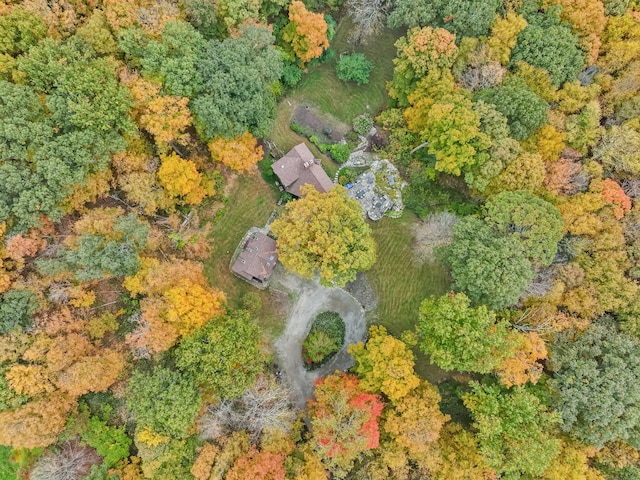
{"x":257,"y":259}
{"x":299,"y":167}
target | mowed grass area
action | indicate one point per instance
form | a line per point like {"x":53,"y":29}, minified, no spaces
{"x":251,"y":201}
{"x":321,"y":88}
{"x":401,"y":283}
{"x":343,"y":100}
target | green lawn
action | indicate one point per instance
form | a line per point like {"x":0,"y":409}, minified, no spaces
{"x":321,"y":87}
{"x":401,"y":283}
{"x":251,"y":201}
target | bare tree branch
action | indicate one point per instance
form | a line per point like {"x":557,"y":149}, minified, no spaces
{"x":368,"y":16}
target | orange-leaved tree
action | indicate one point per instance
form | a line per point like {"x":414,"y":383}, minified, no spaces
{"x":37,"y":423}
{"x":525,"y":364}
{"x":69,"y":362}
{"x":614,"y":195}
{"x":306,"y":32}
{"x":258,"y":465}
{"x":240,"y":153}
{"x":344,"y":420}
{"x":178,"y":300}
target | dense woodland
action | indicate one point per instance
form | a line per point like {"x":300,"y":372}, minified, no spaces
{"x":516,"y":125}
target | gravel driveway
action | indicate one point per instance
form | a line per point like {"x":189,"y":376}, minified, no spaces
{"x":312,"y":298}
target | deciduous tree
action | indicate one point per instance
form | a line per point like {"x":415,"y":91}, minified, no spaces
{"x":37,"y":423}
{"x":443,"y":115}
{"x":573,"y":463}
{"x":19,"y":30}
{"x":525,"y":111}
{"x":212,"y":356}
{"x":549,"y":44}
{"x":423,"y":50}
{"x":523,"y":366}
{"x":457,"y":336}
{"x":178,"y":301}
{"x":166,"y":118}
{"x":16,"y":309}
{"x":513,"y":429}
{"x":470,"y":18}
{"x":165,"y":400}
{"x":173,"y":59}
{"x":613,"y":194}
{"x":595,"y":384}
{"x":525,"y":172}
{"x":237,"y":76}
{"x":504,"y":35}
{"x":384,"y":364}
{"x":181,"y":179}
{"x":587,"y":20}
{"x":416,"y":420}
{"x":583,"y":129}
{"x":617,"y":151}
{"x":489,"y":268}
{"x":534,"y":222}
{"x":262,"y":410}
{"x":232,"y":13}
{"x":467,"y":18}
{"x":324,"y":233}
{"x":258,"y":465}
{"x":344,"y":420}
{"x":306,"y":32}
{"x":240,"y":153}
{"x":461,"y":456}
{"x":368,"y":16}
{"x":354,"y":68}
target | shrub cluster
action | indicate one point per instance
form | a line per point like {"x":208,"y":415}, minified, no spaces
{"x":325,"y":339}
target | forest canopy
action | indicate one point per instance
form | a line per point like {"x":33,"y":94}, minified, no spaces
{"x":492,"y":268}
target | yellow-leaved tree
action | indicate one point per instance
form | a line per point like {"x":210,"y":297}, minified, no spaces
{"x":166,"y":118}
{"x":415,"y":422}
{"x":384,"y":364}
{"x":504,"y":35}
{"x":325,"y":233}
{"x":240,"y":153}
{"x":181,"y":179}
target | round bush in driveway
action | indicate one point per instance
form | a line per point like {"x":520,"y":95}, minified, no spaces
{"x":324,"y":340}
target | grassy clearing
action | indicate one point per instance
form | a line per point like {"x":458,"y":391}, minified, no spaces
{"x":321,"y":88}
{"x":282,"y":135}
{"x":401,"y":283}
{"x":251,"y":201}
{"x":343,"y":100}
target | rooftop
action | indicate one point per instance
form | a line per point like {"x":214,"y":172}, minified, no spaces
{"x":257,"y":258}
{"x":299,"y":167}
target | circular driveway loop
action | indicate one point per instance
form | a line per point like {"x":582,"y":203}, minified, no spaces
{"x":312,"y":300}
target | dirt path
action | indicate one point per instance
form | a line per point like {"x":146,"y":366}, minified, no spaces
{"x":312,"y":298}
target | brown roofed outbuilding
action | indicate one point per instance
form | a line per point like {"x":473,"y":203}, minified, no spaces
{"x":257,"y":258}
